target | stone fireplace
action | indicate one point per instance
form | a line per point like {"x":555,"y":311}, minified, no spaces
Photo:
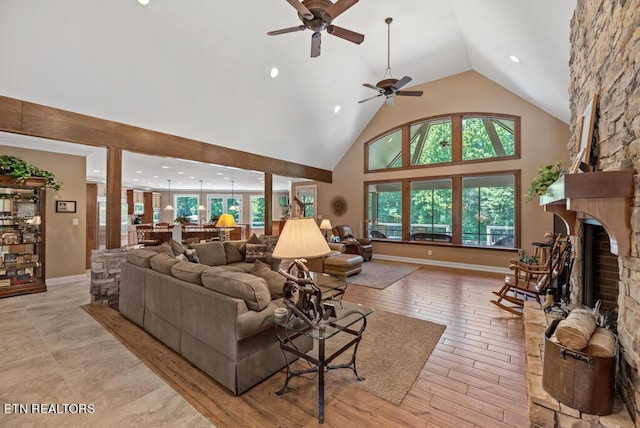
{"x":605,"y":61}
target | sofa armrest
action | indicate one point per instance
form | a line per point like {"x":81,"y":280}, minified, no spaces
{"x":364,"y":241}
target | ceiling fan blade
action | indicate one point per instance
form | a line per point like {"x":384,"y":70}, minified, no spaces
{"x":390,"y":100}
{"x":410,"y":93}
{"x":375,"y":88}
{"x":339,"y":7}
{"x":302,"y":9}
{"x":316,"y":39}
{"x":287,"y":30}
{"x":400,"y":83}
{"x":370,"y":98}
{"x":343,"y":33}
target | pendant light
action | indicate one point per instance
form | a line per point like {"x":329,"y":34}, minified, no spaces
{"x":169,"y":207}
{"x":201,"y":207}
{"x":232,"y":207}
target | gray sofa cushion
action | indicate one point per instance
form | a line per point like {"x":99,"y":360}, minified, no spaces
{"x":162,"y":262}
{"x":210,"y":253}
{"x":250,"y":288}
{"x":140,"y":257}
{"x":189,"y":272}
{"x":275,"y":280}
{"x":177,"y":247}
{"x":232,"y":249}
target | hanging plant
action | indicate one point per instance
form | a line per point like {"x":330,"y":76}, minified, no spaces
{"x":545,"y":178}
{"x":20,"y":170}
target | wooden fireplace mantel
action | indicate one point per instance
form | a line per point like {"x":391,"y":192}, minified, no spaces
{"x":603,"y":195}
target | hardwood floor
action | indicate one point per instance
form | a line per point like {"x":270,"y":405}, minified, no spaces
{"x":474,"y":378}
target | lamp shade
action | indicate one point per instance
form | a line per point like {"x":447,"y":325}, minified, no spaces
{"x":226,"y":220}
{"x":300,"y":238}
{"x":325,"y":224}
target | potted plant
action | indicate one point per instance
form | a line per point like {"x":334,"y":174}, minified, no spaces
{"x":181,"y":219}
{"x":20,"y":170}
{"x":546,"y":176}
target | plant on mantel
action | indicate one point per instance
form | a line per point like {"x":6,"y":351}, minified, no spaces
{"x":20,"y":171}
{"x":547,"y":175}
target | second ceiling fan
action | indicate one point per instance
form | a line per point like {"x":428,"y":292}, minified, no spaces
{"x":390,"y":86}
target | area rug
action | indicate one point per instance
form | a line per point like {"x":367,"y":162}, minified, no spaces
{"x":393,"y":350}
{"x":381,"y":273}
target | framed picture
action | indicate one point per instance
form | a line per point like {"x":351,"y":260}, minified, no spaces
{"x":586,"y":135}
{"x":65,"y":206}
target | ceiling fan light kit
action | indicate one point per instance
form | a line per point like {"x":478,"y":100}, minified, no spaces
{"x":317,"y":16}
{"x":389,"y":86}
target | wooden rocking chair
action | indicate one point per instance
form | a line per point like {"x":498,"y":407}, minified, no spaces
{"x":530,"y":281}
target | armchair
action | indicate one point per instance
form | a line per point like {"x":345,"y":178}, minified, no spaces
{"x":353,"y":245}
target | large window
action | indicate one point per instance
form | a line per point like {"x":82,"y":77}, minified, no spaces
{"x":219,"y":205}
{"x":488,"y":213}
{"x":431,"y":210}
{"x":487,"y":137}
{"x":445,"y":139}
{"x":431,"y":142}
{"x":465,"y":209}
{"x":187,"y":205}
{"x":257,"y":212}
{"x":385,"y":210}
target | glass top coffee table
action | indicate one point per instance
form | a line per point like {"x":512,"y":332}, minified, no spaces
{"x":333,"y":287}
{"x":347,"y":319}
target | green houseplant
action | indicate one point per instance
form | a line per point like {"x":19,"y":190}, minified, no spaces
{"x":181,"y":219}
{"x":20,"y":170}
{"x":546,"y":176}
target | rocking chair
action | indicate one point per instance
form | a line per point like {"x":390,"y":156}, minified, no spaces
{"x":531,"y":281}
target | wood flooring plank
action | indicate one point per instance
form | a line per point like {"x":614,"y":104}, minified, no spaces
{"x":474,"y":377}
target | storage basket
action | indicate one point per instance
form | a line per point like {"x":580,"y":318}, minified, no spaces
{"x":584,"y":382}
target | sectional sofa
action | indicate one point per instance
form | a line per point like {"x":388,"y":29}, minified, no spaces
{"x":212,"y":312}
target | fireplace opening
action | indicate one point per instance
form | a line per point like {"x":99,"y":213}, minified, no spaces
{"x":600,"y":274}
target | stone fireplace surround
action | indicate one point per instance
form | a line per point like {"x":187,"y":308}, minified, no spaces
{"x":605,"y":60}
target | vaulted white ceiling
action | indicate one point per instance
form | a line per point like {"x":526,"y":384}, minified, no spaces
{"x":200,"y":68}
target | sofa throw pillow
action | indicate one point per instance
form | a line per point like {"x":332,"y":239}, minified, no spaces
{"x":232,"y":250}
{"x":275,"y":280}
{"x":256,"y":252}
{"x":140,"y":257}
{"x":254,"y":240}
{"x":177,"y":247}
{"x":165,"y":248}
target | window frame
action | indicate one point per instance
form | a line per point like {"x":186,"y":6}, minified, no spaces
{"x":456,"y":141}
{"x":456,"y":182}
{"x":187,"y":195}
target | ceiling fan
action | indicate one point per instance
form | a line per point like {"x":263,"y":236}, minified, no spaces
{"x":318,"y":15}
{"x":390,"y":86}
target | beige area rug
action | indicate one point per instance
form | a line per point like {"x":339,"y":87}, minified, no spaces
{"x":381,"y":273}
{"x":393,"y":350}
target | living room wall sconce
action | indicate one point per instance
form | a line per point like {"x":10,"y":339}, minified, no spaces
{"x":326,"y":225}
{"x":169,"y":207}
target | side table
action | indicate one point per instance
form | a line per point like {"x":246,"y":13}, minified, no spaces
{"x":350,"y":318}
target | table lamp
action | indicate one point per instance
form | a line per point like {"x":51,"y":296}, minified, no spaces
{"x":326,"y":225}
{"x":301,"y":238}
{"x":226,"y":222}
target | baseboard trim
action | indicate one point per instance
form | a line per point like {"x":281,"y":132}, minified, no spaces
{"x":65,"y":279}
{"x":440,"y":263}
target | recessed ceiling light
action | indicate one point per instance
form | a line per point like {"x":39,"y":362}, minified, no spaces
{"x":135,"y":179}
{"x":165,"y":167}
{"x":219,"y":173}
{"x":143,"y":2}
{"x":180,"y":172}
{"x":514,"y":58}
{"x":138,"y":172}
{"x":226,"y":178}
{"x":155,"y":176}
{"x":336,"y":109}
{"x":274,"y":72}
{"x":191,"y":176}
{"x":96,"y":170}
